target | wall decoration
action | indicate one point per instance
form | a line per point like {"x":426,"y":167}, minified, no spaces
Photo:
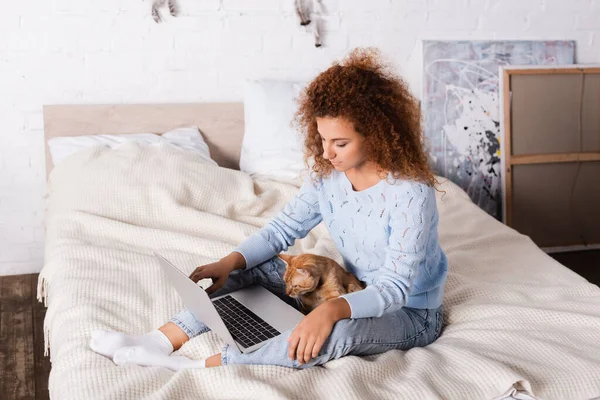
{"x":309,"y":12}
{"x":461,"y":108}
{"x":156,"y":4}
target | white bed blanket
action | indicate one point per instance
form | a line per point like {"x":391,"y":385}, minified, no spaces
{"x":512,"y":313}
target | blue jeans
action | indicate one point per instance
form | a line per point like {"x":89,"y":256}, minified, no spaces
{"x":401,"y":330}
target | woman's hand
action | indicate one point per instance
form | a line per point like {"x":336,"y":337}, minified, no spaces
{"x":308,"y":337}
{"x":218,"y":271}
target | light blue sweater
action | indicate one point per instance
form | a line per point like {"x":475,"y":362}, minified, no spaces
{"x":387,"y":235}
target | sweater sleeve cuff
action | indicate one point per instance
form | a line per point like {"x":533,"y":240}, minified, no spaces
{"x":255,"y":250}
{"x":365,"y":303}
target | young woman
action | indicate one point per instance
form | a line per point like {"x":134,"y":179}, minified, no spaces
{"x":371,"y":184}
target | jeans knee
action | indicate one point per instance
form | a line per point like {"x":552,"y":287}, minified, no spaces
{"x":343,"y":330}
{"x":338,"y":342}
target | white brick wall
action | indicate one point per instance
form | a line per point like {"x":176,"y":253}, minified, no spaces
{"x":109,"y":51}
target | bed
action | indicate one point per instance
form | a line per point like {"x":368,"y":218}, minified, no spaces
{"x":517,"y":323}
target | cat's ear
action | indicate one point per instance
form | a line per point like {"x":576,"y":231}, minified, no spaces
{"x":303,"y":272}
{"x":287,"y":258}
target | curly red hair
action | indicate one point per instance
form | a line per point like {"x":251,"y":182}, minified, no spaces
{"x":367,"y":93}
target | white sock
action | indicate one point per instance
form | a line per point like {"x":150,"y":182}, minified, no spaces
{"x":107,"y":343}
{"x":138,"y":355}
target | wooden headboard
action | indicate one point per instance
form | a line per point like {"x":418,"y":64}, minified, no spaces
{"x":221,"y":124}
{"x":551,"y":153}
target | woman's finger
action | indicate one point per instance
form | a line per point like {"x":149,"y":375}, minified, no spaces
{"x":300,"y":350}
{"x":294,"y":339}
{"x":197,"y":274}
{"x":317,"y":347}
{"x":308,"y":350}
{"x":218,"y":284}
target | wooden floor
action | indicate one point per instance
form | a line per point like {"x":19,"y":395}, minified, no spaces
{"x":24,"y":369}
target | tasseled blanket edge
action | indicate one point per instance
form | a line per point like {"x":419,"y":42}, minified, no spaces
{"x":42,"y":296}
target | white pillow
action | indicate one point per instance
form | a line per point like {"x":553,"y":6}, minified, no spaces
{"x":271,"y":148}
{"x":188,"y":139}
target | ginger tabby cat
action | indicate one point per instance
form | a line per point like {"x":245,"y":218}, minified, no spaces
{"x":315,"y":279}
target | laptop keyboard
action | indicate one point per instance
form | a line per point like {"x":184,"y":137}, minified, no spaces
{"x":246,"y":327}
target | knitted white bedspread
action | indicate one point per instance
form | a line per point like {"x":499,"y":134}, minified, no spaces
{"x":512,"y":313}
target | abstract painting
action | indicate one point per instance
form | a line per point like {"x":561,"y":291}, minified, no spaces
{"x":462,"y":112}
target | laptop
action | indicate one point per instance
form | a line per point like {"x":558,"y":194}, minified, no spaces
{"x":246,"y":318}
